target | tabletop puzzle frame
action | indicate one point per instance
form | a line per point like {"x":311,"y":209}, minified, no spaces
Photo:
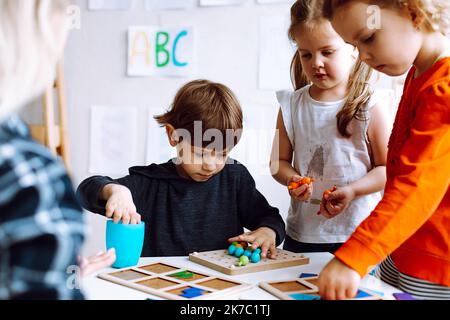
{"x":288,"y":289}
{"x":155,"y":278}
{"x":216,"y":261}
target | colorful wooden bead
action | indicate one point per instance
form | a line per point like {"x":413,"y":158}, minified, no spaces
{"x":247,"y":253}
{"x":255,"y":258}
{"x":231,"y":249}
{"x":239,"y":252}
{"x":243,"y":261}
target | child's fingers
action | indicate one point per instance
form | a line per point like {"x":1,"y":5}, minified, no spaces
{"x":234,"y":239}
{"x":341,"y":293}
{"x":126,"y":218}
{"x":308,"y":193}
{"x":329,"y":293}
{"x":322,"y":210}
{"x":264,"y":249}
{"x":100,"y":262}
{"x":273,"y":251}
{"x":83,"y":262}
{"x":117,"y":215}
{"x":247,"y":237}
{"x":138,"y":218}
{"x":323,"y":287}
{"x":331,"y":209}
{"x":133,"y":218}
{"x":110,"y":207}
{"x":335,"y":208}
{"x":295,"y":178}
{"x":299,"y":191}
{"x":256,"y":243}
{"x":351,"y":292}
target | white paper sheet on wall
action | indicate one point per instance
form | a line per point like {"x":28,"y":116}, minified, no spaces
{"x":158,"y":147}
{"x":275,"y":53}
{"x":211,"y":3}
{"x":110,"y":4}
{"x":113,"y":140}
{"x":254,"y":148}
{"x":158,"y":51}
{"x":168,"y":4}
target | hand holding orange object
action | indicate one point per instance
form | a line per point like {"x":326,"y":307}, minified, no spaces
{"x":300,"y":188}
{"x":296,"y":184}
{"x":328,"y":192}
{"x":335,"y":201}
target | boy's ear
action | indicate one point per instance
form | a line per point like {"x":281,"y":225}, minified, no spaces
{"x":172,"y":135}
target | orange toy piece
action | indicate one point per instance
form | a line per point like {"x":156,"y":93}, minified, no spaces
{"x":244,"y":245}
{"x":328,"y":192}
{"x":297,"y":184}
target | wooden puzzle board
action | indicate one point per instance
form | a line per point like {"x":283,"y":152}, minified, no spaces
{"x":221,"y":261}
{"x":163,"y":280}
{"x":306,"y":289}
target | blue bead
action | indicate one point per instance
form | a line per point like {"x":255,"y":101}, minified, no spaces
{"x":255,"y":258}
{"x":247,"y":253}
{"x":239,"y":252}
{"x":257,"y":250}
{"x":231,"y":249}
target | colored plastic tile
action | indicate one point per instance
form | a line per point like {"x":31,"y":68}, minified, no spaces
{"x":362,"y":294}
{"x":307,"y":275}
{"x":403,"y":296}
{"x":302,"y":296}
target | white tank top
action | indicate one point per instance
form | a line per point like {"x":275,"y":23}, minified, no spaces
{"x":322,"y":153}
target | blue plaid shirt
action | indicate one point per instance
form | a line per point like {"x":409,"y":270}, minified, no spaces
{"x":41,"y":222}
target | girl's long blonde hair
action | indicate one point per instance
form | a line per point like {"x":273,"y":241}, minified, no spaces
{"x":308,"y":12}
{"x":435,"y":12}
{"x":32,"y":36}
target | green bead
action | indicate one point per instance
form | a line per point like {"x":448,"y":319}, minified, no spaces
{"x":244,"y":260}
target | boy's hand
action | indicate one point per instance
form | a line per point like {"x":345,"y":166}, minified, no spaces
{"x":303,"y":192}
{"x":335,"y":202}
{"x":120,"y":205}
{"x":337,"y":281}
{"x":263,"y":237}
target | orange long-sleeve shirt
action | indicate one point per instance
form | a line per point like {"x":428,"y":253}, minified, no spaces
{"x":412,"y":221}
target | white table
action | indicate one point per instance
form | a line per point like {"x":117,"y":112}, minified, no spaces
{"x":98,"y":289}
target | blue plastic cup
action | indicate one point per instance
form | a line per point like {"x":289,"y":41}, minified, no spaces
{"x":127,"y":240}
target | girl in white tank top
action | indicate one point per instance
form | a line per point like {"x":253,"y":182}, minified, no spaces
{"x":331,"y":129}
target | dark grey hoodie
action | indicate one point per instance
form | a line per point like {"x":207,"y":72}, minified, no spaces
{"x":183,"y":216}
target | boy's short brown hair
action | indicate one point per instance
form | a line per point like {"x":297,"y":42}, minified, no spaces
{"x":213,"y":105}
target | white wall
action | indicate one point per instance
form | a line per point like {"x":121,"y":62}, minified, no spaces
{"x":227,"y":47}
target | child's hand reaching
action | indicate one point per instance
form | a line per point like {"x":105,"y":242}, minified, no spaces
{"x":262,"y":237}
{"x":335,"y":201}
{"x":338,"y":281}
{"x":120,"y":205}
{"x":92,"y":264}
{"x":300,"y":188}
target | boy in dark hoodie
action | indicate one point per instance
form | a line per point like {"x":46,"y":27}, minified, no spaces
{"x":201,"y":199}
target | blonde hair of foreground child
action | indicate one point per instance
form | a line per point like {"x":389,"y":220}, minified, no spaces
{"x":32,"y":38}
